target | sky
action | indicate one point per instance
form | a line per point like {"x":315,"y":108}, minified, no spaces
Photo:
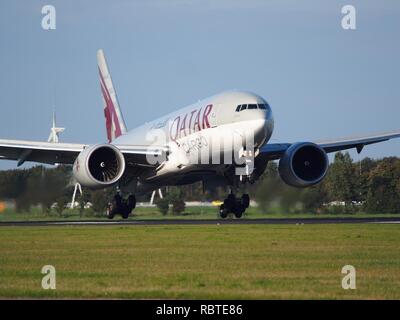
{"x":321,"y":81}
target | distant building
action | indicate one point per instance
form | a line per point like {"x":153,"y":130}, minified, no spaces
{"x":7,"y":204}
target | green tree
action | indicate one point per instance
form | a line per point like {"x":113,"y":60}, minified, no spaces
{"x":341,"y":182}
{"x":83,"y":200}
{"x":100,"y":199}
{"x":163,"y":205}
{"x":268,"y":187}
{"x":176,"y":198}
{"x":313,"y":198}
{"x":363,"y":170}
{"x":384,"y":187}
{"x":61,"y":204}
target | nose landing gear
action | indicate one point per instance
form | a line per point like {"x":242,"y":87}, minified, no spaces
{"x":121,"y":206}
{"x":234,"y":205}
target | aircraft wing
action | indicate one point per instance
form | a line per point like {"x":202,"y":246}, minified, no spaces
{"x":274,"y":151}
{"x":137,"y":155}
{"x":65,"y":153}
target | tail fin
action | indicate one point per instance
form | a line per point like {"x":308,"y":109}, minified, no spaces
{"x":115,"y":123}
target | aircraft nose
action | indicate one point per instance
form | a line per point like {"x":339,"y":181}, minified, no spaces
{"x":268,"y":125}
{"x":264,"y":132}
{"x":259,"y":128}
{"x":258,"y":119}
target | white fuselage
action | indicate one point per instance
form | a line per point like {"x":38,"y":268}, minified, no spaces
{"x":198,"y":131}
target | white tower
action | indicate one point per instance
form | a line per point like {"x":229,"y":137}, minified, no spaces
{"x":153,"y":195}
{"x":78,"y":187}
{"x":55,"y":131}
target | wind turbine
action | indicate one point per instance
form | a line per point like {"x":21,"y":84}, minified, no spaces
{"x":54,"y":137}
{"x":55,"y":131}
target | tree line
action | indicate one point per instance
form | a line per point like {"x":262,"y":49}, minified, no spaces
{"x":371,"y":186}
{"x":43,"y":186}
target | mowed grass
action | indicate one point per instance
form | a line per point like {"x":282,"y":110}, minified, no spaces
{"x":198,"y":212}
{"x":202,"y":262}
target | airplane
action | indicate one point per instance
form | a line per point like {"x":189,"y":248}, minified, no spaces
{"x":139,"y":161}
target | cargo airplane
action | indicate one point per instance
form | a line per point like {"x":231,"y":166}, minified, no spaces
{"x":138,"y":161}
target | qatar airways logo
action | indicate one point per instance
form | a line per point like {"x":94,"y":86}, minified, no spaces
{"x":194,"y":138}
{"x":191,"y":122}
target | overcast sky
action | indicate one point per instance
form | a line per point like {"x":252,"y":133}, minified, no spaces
{"x":321,"y":81}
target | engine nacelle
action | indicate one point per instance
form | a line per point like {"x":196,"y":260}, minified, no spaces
{"x":99,"y":166}
{"x":303,"y":164}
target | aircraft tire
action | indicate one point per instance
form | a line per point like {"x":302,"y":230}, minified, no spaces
{"x":125,"y":212}
{"x":223,"y":213}
{"x":131,"y":203}
{"x":230,"y":202}
{"x":245,"y":200}
{"x":238,"y":211}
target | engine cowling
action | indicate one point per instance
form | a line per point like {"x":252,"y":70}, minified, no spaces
{"x":303,"y":164}
{"x":99,"y":166}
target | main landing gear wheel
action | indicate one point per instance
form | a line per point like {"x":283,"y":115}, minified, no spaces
{"x":245,"y":200}
{"x":234,"y":205}
{"x":121,"y":206}
{"x":238,"y":210}
{"x":223,"y":213}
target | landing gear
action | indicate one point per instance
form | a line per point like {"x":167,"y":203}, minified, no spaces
{"x":234,"y":205}
{"x":223,"y":212}
{"x":121,"y":206}
{"x":246,"y":200}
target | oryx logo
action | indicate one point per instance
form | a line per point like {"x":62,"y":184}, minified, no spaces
{"x":77,"y":165}
{"x":112,"y":121}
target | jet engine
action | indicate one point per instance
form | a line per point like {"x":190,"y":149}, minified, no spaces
{"x":99,"y":166}
{"x":303,"y":164}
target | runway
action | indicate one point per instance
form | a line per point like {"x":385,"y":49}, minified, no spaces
{"x":134,"y":222}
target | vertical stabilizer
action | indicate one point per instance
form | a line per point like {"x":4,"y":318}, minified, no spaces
{"x":115,"y":123}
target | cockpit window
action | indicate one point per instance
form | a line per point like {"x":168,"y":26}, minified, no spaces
{"x":262,"y":106}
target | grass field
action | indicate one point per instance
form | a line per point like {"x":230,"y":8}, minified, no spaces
{"x":153,"y":213}
{"x":202,"y":262}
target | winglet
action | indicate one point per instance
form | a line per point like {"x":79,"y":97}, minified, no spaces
{"x":115,"y":123}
